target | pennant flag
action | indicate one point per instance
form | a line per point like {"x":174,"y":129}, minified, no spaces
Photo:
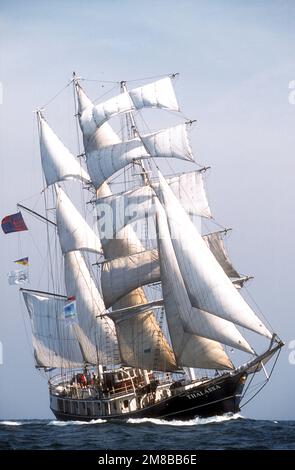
{"x":13,"y":223}
{"x":19,"y":276}
{"x":70,"y":310}
{"x":23,"y":261}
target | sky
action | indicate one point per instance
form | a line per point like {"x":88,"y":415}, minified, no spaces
{"x":236,"y":62}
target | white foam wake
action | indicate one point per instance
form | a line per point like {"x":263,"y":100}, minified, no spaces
{"x":10,"y":423}
{"x":75,"y":423}
{"x":190,"y":422}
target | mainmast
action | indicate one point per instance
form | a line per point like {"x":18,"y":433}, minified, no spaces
{"x":140,"y":335}
{"x":132,"y":130}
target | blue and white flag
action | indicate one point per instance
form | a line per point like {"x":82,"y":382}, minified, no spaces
{"x":70,"y":310}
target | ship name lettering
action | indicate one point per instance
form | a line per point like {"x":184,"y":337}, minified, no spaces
{"x":205,"y":392}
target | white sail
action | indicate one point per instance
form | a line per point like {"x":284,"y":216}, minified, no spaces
{"x":73,"y":230}
{"x":119,"y":276}
{"x":141,"y":341}
{"x":122,"y":275}
{"x":116,"y":105}
{"x":93,"y":137}
{"x":122,"y":313}
{"x":168,"y":143}
{"x":208,"y":286}
{"x":189,"y":189}
{"x":55,"y":343}
{"x":118,"y":210}
{"x":101,"y":346}
{"x":57,"y":161}
{"x":190,"y":350}
{"x":159,"y":94}
{"x":195,"y":351}
{"x":194,"y":321}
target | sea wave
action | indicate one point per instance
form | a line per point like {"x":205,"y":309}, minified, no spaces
{"x":10,"y":423}
{"x":190,"y":422}
{"x":75,"y":423}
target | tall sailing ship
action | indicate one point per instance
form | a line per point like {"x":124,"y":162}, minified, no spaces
{"x":149,"y":310}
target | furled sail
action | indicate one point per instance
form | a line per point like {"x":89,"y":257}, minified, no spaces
{"x":100,"y":343}
{"x":120,"y":276}
{"x":168,"y":143}
{"x":159,"y":94}
{"x":54,"y":341}
{"x":73,"y":230}
{"x":208,"y":286}
{"x":57,"y":161}
{"x":193,"y":320}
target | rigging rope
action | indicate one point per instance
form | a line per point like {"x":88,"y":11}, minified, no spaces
{"x":56,"y":95}
{"x":264,"y":384}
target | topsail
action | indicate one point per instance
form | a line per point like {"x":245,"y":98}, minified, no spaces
{"x":168,"y":143}
{"x":159,"y":94}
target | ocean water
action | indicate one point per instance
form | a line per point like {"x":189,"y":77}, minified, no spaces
{"x":220,"y":432}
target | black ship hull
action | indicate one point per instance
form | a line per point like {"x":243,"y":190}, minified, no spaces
{"x":213,"y":397}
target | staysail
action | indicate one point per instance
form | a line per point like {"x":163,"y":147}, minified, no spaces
{"x":194,"y":321}
{"x":190,"y":350}
{"x":208,"y":286}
